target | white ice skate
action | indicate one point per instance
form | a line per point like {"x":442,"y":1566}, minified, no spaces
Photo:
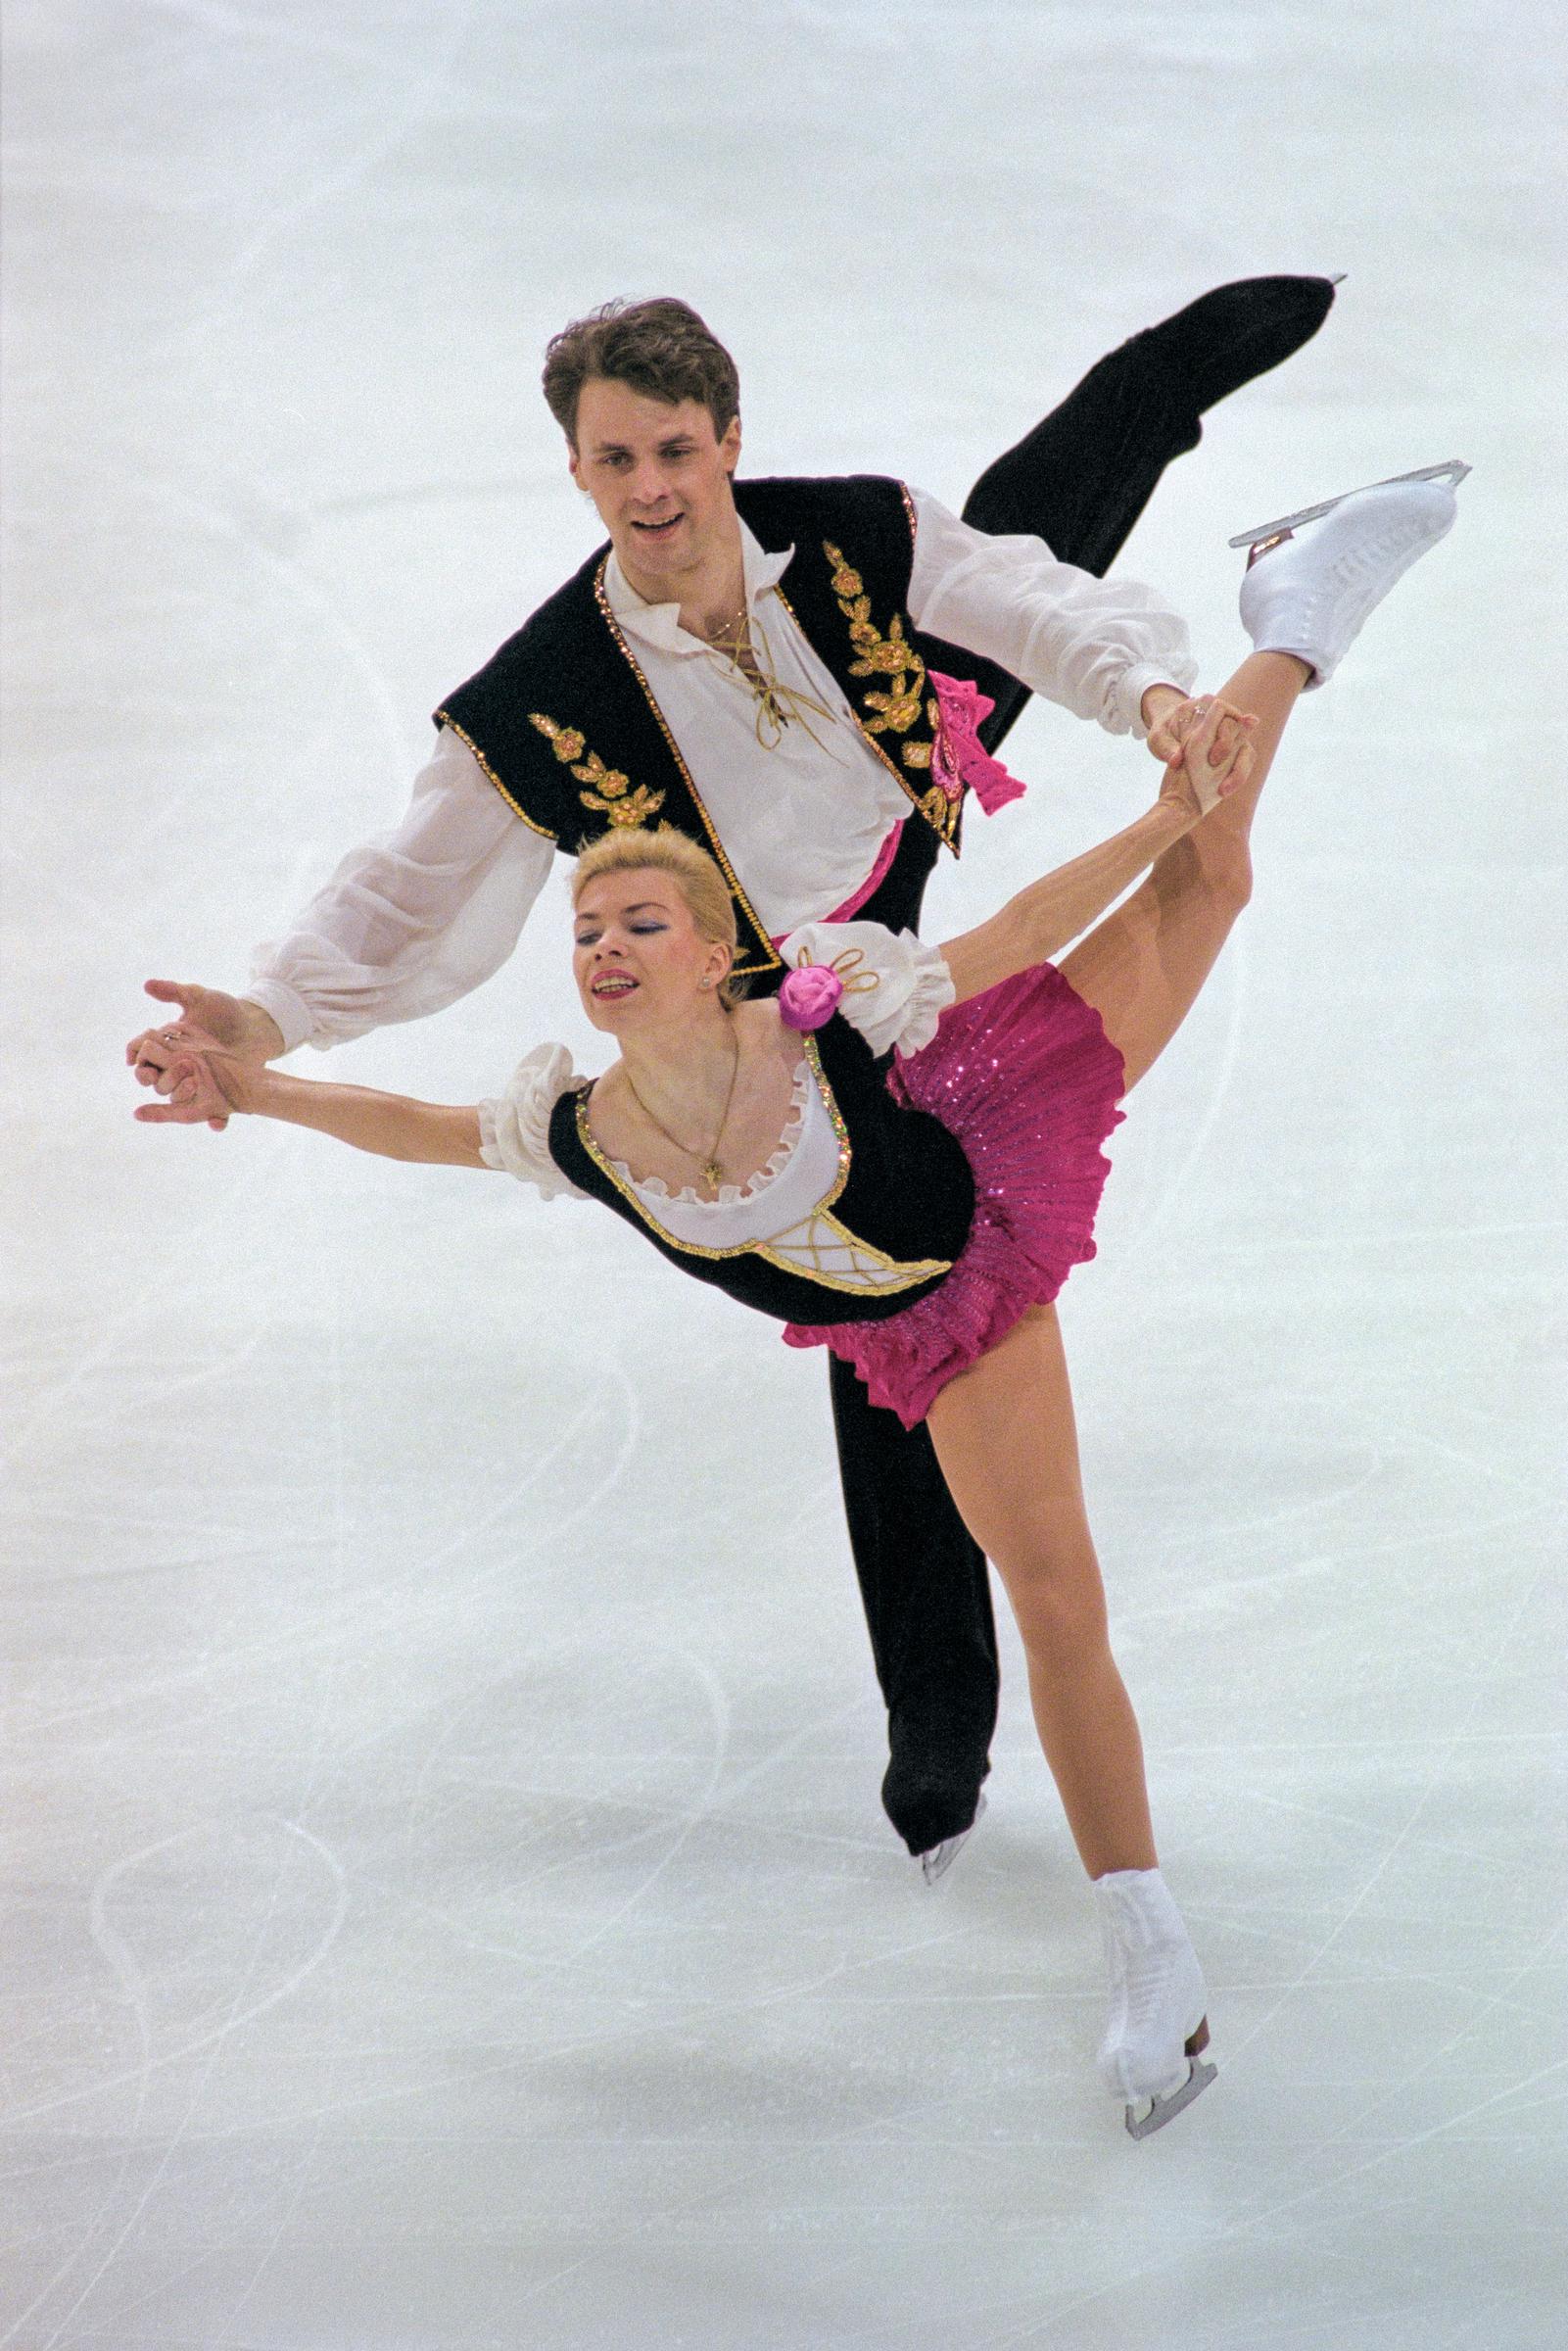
{"x":1310,"y":596}
{"x":1452,"y":470}
{"x":939,"y":1858}
{"x":1157,"y":2030}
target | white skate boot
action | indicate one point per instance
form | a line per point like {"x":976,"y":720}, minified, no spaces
{"x":1310,"y":596}
{"x":1452,"y":471}
{"x":1157,"y":2030}
{"x":938,"y":1859}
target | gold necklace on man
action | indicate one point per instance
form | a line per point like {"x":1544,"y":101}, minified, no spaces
{"x":712,"y":1172}
{"x":733,"y":638}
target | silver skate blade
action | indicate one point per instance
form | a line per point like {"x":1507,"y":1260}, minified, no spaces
{"x":941,"y":1858}
{"x":1452,"y":470}
{"x":1166,"y":2110}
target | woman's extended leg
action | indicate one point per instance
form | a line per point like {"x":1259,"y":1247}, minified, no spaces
{"x":1007,"y":1442}
{"x":1143,"y":966}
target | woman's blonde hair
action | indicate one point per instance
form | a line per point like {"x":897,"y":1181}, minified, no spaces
{"x":694,"y":872}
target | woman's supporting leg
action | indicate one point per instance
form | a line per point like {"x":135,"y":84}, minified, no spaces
{"x":1143,"y":966}
{"x":1004,"y":1435}
{"x":1007,"y":1442}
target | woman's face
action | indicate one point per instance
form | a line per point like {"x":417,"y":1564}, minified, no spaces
{"x":636,"y":957}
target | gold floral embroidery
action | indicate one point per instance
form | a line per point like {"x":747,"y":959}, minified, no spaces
{"x":903,"y":702}
{"x":613,"y":796}
{"x":892,"y":656}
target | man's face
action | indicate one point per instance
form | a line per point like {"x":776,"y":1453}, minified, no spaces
{"x":659,"y":476}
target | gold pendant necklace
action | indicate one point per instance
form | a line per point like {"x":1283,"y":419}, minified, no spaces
{"x":712,"y":1172}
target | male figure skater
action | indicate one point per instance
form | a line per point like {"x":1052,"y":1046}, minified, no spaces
{"x":748,"y":661}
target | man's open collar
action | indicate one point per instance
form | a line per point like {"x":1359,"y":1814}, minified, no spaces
{"x":660,"y":625}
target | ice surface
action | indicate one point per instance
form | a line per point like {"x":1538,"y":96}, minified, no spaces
{"x":447,"y":1899}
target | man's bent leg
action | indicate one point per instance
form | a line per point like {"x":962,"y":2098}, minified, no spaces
{"x":928,"y":1601}
{"x":1083,"y":477}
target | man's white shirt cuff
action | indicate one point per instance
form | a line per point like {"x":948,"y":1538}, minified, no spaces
{"x":290,"y":1011}
{"x":1136,"y":682}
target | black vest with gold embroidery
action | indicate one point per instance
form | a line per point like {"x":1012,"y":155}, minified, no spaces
{"x":564,"y":724}
{"x":904,"y":1192}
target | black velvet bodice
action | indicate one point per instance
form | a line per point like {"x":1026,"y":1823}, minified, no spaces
{"x":904,"y":1191}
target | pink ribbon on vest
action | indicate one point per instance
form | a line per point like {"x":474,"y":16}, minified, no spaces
{"x":959,"y":758}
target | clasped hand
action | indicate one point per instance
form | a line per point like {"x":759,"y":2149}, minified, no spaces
{"x":1205,"y":744}
{"x":189,"y":1059}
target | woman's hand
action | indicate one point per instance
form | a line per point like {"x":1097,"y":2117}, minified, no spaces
{"x":211,"y":1020}
{"x":1205,"y":742}
{"x":202,"y":1079}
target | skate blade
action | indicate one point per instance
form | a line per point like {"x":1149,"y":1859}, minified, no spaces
{"x":1166,"y":2110}
{"x":1452,"y":470}
{"x":937,"y":1863}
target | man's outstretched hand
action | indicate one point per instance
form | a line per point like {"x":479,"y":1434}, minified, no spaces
{"x":204,"y":1017}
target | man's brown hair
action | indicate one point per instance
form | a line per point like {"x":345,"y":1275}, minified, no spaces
{"x":660,"y":349}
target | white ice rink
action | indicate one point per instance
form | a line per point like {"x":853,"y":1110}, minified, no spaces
{"x":447,"y":1906}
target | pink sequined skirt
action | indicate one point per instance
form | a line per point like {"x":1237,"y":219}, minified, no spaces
{"x":1027,"y":1079}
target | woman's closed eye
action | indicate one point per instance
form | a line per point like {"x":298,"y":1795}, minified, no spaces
{"x":588,"y":939}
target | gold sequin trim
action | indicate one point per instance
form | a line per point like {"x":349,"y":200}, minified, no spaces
{"x":612,"y":796}
{"x":739,"y":969}
{"x":920,"y":1270}
{"x":484,"y":768}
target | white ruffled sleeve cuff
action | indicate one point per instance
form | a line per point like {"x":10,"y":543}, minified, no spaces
{"x":913,"y":985}
{"x":514,"y":1126}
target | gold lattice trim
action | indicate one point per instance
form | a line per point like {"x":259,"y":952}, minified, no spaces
{"x":612,"y":794}
{"x":826,"y":1234}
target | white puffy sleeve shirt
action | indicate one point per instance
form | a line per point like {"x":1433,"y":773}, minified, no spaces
{"x":418,"y":916}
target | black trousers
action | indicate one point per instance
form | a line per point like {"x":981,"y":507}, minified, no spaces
{"x":1079,"y":481}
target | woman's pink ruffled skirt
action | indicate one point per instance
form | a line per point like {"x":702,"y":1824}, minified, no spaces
{"x":1028,"y":1079}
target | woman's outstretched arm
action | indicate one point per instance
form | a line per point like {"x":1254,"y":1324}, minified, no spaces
{"x":1047,"y":915}
{"x":391,"y":1125}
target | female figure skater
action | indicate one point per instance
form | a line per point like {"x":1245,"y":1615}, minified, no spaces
{"x":900,"y":1158}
